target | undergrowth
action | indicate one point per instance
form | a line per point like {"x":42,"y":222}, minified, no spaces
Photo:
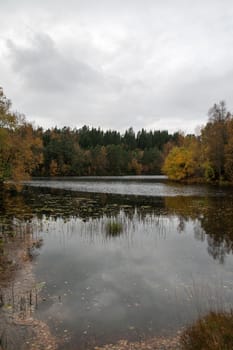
{"x":211,"y":332}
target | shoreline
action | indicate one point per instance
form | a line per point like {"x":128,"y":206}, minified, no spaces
{"x":19,"y":327}
{"x":153,"y":343}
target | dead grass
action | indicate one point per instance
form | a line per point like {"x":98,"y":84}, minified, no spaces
{"x":212,"y":332}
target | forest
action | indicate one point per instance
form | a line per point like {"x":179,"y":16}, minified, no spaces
{"x":27,"y":151}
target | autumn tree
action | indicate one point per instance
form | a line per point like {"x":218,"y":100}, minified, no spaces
{"x":20,"y":148}
{"x":26,"y":151}
{"x":208,"y":156}
{"x":180,"y":164}
{"x":228,"y":165}
{"x":98,"y":160}
{"x":135,"y":166}
{"x":214,"y":139}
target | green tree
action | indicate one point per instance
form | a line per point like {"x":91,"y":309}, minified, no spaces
{"x":152,"y":161}
{"x":98,"y":160}
{"x":117,"y":159}
{"x":129,"y":139}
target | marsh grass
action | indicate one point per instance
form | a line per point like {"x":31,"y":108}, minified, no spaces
{"x":211,"y":332}
{"x":213,"y":327}
{"x":114,"y":228}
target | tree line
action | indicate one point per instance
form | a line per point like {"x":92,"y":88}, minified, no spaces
{"x":28,"y":151}
{"x":91,"y":151}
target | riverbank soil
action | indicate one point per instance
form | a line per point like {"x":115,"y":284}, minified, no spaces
{"x":157,"y":343}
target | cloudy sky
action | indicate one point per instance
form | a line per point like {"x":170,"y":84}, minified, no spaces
{"x":157,"y":64}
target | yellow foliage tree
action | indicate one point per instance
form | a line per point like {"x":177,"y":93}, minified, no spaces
{"x":179,"y":164}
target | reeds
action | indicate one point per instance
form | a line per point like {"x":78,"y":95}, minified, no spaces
{"x":114,"y":228}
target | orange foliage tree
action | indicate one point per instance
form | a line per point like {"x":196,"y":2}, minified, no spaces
{"x":20,"y":147}
{"x":180,"y":164}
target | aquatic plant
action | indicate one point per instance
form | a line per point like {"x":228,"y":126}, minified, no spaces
{"x":114,"y":228}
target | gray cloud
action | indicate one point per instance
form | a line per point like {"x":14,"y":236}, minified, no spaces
{"x":115,"y":64}
{"x":42,"y":67}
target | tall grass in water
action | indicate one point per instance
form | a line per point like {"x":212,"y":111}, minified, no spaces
{"x":114,"y":228}
{"x":211,"y":332}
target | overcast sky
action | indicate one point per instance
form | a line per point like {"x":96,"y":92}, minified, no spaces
{"x":157,"y":64}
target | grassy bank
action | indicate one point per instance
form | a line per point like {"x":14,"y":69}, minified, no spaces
{"x":212,"y":332}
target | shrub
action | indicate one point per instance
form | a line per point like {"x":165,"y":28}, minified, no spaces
{"x":212,"y":332}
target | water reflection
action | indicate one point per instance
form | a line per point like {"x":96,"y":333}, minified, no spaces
{"x":117,"y":266}
{"x":128,"y":185}
{"x":213,"y":221}
{"x":211,"y":216}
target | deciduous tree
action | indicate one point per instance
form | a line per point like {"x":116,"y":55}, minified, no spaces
{"x":20,"y":148}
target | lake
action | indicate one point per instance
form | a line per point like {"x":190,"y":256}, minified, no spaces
{"x":126,"y":257}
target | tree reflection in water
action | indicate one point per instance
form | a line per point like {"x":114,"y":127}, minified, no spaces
{"x":212,"y":218}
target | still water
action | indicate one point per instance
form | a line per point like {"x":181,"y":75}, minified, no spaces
{"x":168,"y":261}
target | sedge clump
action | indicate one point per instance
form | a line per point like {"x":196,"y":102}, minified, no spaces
{"x":212,"y":332}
